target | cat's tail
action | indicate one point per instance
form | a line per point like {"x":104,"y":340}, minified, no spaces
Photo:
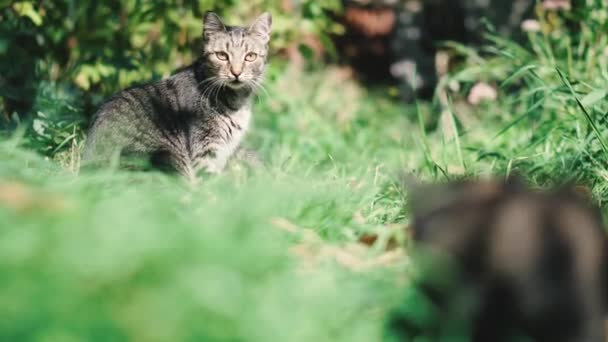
{"x":97,"y":153}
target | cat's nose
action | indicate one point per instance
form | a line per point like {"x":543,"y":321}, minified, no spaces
{"x":236,"y":72}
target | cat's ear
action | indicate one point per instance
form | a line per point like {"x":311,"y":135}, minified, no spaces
{"x":212,"y":24}
{"x":261,"y":27}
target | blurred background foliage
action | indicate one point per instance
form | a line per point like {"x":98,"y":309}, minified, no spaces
{"x":59,"y":59}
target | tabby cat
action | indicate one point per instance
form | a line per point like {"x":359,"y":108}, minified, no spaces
{"x":531,"y":263}
{"x":194,"y":120}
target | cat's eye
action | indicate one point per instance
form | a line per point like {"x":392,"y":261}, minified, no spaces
{"x":250,"y":57}
{"x":222,"y":56}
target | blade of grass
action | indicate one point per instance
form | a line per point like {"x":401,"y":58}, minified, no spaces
{"x":520,"y":118}
{"x":584,"y":110}
{"x":517,"y":73}
{"x":64,"y":142}
{"x":455,"y":132}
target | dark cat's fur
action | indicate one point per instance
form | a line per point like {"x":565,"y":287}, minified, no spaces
{"x":194,"y":120}
{"x":534,"y":262}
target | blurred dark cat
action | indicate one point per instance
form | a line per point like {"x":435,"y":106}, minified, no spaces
{"x":196,"y":119}
{"x":534,"y":263}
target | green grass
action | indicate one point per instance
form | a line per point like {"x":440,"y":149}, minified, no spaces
{"x":146,"y":256}
{"x":272,"y":255}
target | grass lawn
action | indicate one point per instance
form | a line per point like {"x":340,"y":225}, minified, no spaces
{"x":273,"y":255}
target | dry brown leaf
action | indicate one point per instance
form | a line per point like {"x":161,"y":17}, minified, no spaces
{"x":307,"y":234}
{"x":371,"y":239}
{"x":392,"y":243}
{"x":19,"y":197}
{"x":312,"y":250}
{"x":583,"y":190}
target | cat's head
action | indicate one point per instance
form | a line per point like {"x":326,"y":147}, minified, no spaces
{"x":236,"y":55}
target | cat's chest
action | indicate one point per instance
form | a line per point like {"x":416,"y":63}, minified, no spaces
{"x":221,"y":138}
{"x":233,"y":127}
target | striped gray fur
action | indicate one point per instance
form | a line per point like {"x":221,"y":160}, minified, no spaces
{"x":196,"y":119}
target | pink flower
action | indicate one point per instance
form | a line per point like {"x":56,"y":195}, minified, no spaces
{"x":482,"y":92}
{"x":556,"y":5}
{"x":530,"y":25}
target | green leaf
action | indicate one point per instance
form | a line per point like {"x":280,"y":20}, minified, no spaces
{"x":517,"y":74}
{"x":597,"y":132}
{"x":3,"y":45}
{"x":593,"y":97}
{"x":306,"y":51}
{"x":38,"y":126}
{"x":26,"y":9}
{"x":328,"y":45}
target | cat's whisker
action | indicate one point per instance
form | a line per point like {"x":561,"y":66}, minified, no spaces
{"x":257,"y":85}
{"x":251,"y":87}
{"x":207,"y":80}
{"x":261,"y":86}
{"x":254,"y":90}
{"x":215,"y":92}
{"x":211,"y":89}
{"x":221,"y":86}
{"x":203,"y":96}
{"x":209,"y":93}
